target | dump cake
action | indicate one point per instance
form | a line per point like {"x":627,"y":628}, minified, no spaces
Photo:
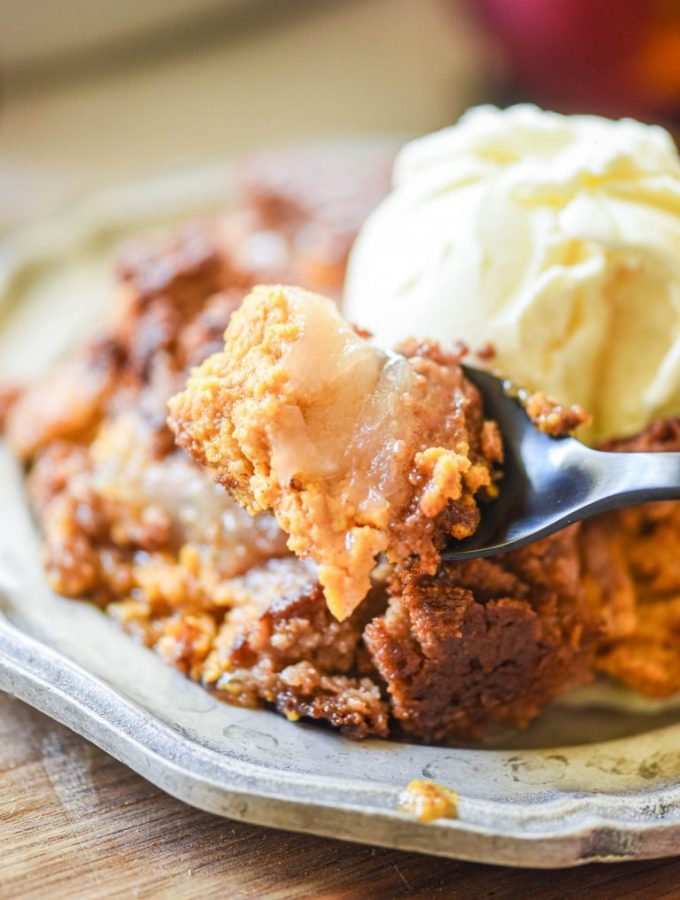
{"x":356,"y":451}
{"x":433,"y":651}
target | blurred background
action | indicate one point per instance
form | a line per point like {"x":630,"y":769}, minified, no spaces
{"x":94,"y":93}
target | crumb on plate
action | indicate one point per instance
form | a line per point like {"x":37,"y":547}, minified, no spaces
{"x":426,"y":801}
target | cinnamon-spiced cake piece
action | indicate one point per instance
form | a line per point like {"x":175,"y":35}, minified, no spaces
{"x":357,"y":451}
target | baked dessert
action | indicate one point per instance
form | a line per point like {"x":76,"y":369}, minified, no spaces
{"x":356,"y":451}
{"x":433,"y":652}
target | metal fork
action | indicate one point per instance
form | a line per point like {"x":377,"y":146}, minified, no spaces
{"x":549,"y":482}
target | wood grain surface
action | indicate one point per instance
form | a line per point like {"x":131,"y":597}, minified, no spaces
{"x":75,"y":823}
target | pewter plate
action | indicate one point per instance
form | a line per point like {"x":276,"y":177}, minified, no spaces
{"x":588,"y":782}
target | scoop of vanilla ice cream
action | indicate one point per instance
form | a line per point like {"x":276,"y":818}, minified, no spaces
{"x":554,"y":238}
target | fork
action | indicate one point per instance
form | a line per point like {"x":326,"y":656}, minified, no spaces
{"x":551,"y":482}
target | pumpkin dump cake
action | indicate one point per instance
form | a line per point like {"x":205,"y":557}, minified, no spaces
{"x":303,"y":436}
{"x":356,"y":451}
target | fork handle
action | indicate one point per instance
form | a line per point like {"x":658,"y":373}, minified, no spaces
{"x":620,"y":479}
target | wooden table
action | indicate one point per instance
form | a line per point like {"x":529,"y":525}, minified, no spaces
{"x":75,"y":823}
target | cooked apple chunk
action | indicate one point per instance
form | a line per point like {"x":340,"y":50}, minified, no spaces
{"x":357,"y":451}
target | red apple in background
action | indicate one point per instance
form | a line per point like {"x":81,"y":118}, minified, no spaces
{"x":615,"y":57}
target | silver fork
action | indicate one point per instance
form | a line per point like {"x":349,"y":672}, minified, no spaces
{"x":548,"y":482}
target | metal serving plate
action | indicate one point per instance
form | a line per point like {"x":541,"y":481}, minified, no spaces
{"x":583,"y":784}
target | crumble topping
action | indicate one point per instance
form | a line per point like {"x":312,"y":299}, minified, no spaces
{"x":641,"y":641}
{"x":554,"y":418}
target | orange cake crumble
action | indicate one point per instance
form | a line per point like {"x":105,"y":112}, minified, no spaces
{"x":356,"y":451}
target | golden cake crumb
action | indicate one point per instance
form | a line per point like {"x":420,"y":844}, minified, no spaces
{"x":553,"y":418}
{"x":426,"y":801}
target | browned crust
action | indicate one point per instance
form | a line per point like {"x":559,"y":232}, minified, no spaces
{"x":485,"y":643}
